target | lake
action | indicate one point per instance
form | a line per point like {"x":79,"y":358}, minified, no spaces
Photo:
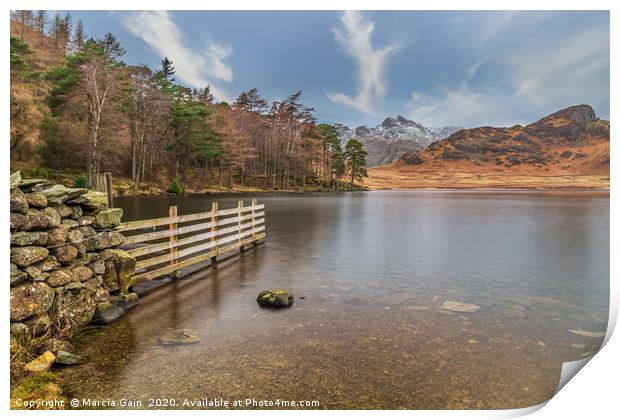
{"x":374,"y":269}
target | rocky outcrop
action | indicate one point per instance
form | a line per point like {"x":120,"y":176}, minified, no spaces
{"x":64,"y":264}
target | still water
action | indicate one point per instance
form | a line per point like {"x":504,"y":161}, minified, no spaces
{"x":374,"y":269}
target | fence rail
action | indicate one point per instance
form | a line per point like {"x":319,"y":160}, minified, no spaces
{"x":213,"y":233}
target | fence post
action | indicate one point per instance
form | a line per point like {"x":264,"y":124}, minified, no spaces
{"x":239,"y":207}
{"x":172,"y":212}
{"x":253,"y":233}
{"x":214,"y":206}
{"x":108,"y":186}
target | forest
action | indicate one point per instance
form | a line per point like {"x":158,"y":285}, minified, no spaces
{"x":77,"y":107}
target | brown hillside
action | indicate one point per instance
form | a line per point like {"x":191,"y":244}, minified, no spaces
{"x":570,"y":143}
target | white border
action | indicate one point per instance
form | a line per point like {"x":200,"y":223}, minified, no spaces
{"x":593,"y":394}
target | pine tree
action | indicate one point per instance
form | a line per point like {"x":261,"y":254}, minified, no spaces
{"x":40,"y":21}
{"x":167,"y":70}
{"x":111,"y":47}
{"x":356,"y":160}
{"x":78,"y":36}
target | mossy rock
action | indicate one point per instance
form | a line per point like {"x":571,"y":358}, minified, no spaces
{"x":41,"y":386}
{"x":276,"y":298}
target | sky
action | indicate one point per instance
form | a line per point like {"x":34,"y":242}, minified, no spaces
{"x":440,"y":68}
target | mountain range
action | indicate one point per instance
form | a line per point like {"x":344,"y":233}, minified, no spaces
{"x":560,"y":148}
{"x":387,"y":141}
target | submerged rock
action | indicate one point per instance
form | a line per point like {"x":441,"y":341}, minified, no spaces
{"x":589,"y":334}
{"x":276,"y":298}
{"x":41,"y":363}
{"x":455,"y":306}
{"x":107,"y":313}
{"x":181,"y":336}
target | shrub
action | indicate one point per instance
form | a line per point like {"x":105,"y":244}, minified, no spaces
{"x":175,"y":187}
{"x":81,"y":182}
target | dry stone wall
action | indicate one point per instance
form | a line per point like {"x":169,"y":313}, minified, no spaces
{"x":66,"y":267}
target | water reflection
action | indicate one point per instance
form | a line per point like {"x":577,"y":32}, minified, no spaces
{"x":374,"y":269}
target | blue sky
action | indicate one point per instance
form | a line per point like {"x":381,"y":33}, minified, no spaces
{"x":439,"y":68}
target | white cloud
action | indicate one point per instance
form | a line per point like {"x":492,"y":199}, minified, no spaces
{"x":355,"y":38}
{"x":157,"y":29}
{"x":534,"y":77}
{"x":567,"y":72}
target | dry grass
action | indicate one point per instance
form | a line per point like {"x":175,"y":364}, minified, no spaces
{"x":397,"y":178}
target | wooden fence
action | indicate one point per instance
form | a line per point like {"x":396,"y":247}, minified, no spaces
{"x":174,"y":242}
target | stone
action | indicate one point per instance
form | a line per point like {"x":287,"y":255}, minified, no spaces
{"x":63,"y":210}
{"x":57,"y":236}
{"x":16,"y":178}
{"x":19,"y":204}
{"x":65,"y":254}
{"x":48,"y":264}
{"x":76,"y":212}
{"x":108,"y":219}
{"x":82,"y":273}
{"x":107,"y":313}
{"x":69,"y":224}
{"x":276,"y":298}
{"x":17,"y":221}
{"x":101,"y":294}
{"x":58,"y":194}
{"x":37,"y":200}
{"x":91,"y":200}
{"x":17,"y":276}
{"x":87,"y":231}
{"x":41,"y":363}
{"x":55,"y":345}
{"x":573,"y":345}
{"x":35,"y":220}
{"x":589,"y":334}
{"x":93,"y":283}
{"x":30,"y":299}
{"x":103,"y":240}
{"x":420,"y":308}
{"x":33,"y":273}
{"x":74,"y":286}
{"x":66,"y":358}
{"x":454,"y":306}
{"x":86,"y":220}
{"x":97,"y":267}
{"x":38,"y":324}
{"x":28,"y":183}
{"x":179,"y":336}
{"x":60,"y":277}
{"x":28,"y":255}
{"x":51,"y":216}
{"x":119,"y":269}
{"x":19,"y":329}
{"x":74,"y":307}
{"x":29,"y":238}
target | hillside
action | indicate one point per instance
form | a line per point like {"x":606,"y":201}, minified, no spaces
{"x":387,"y":141}
{"x":569,"y":148}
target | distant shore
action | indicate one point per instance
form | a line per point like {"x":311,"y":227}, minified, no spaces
{"x":385,"y":178}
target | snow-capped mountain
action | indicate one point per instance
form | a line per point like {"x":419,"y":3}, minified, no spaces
{"x":389,"y":140}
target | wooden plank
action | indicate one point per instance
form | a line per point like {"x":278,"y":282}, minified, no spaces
{"x":190,"y":261}
{"x":194,"y":249}
{"x":214,"y":207}
{"x":150,"y":236}
{"x":149,"y":249}
{"x":141,"y":224}
{"x":172,"y":213}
